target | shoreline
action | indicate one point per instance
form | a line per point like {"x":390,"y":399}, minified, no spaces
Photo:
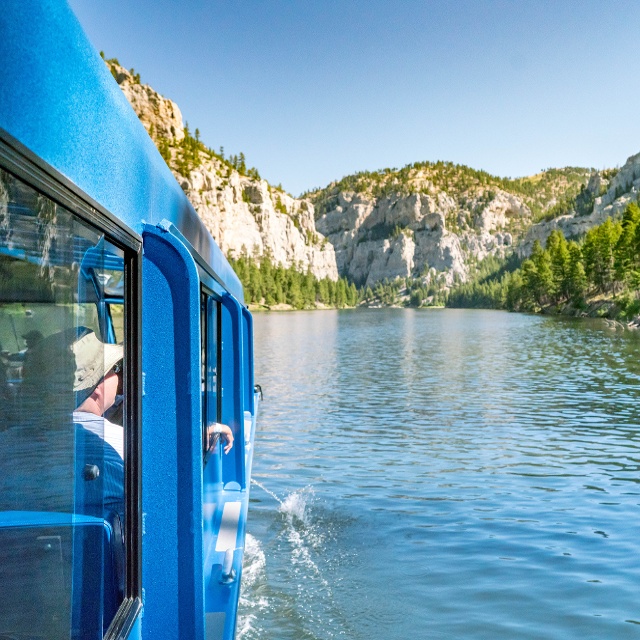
{"x":593,"y":312}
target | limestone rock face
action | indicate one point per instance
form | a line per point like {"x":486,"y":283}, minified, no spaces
{"x":160,"y":116}
{"x":244,"y":215}
{"x":248,"y":217}
{"x":503,"y":208}
{"x":485,"y":244}
{"x":623,"y":189}
{"x":408,"y":236}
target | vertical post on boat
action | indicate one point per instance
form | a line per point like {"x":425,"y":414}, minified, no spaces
{"x":233,"y":388}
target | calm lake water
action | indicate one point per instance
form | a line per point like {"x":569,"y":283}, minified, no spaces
{"x":444,"y":474}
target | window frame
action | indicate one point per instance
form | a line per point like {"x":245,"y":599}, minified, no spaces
{"x":19,"y":161}
{"x":205,"y":295}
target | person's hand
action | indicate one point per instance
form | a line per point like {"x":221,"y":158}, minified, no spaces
{"x":227,"y":435}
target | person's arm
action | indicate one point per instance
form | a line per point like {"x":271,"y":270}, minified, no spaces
{"x":226,"y":433}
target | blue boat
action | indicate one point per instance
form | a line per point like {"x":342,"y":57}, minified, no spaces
{"x":127,"y":399}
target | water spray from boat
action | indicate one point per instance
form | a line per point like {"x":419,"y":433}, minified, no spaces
{"x":273,"y":495}
{"x":304,"y":534}
{"x":253,"y":598}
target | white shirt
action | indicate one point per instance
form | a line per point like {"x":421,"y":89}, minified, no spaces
{"x":112,"y":434}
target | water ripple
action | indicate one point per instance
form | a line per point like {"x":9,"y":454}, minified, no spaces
{"x":461,"y":474}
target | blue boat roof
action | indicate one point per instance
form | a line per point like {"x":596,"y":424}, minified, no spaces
{"x":60,"y":101}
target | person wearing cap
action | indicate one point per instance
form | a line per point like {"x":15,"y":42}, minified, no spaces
{"x":59,"y":454}
{"x":95,"y":386}
{"x":98,"y":366}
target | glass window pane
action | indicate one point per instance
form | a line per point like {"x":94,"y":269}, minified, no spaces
{"x":117,"y":320}
{"x":61,"y":461}
{"x":210,"y":364}
{"x":212,"y":360}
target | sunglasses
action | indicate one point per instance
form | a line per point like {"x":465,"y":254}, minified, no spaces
{"x":117,"y":367}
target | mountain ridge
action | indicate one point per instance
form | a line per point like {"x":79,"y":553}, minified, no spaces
{"x":428,"y":220}
{"x":244,"y":214}
{"x":431,"y":221}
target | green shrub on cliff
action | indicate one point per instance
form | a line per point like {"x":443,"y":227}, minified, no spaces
{"x":461,"y":183}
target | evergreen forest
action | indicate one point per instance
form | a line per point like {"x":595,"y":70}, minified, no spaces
{"x":269,"y":284}
{"x":565,"y":276}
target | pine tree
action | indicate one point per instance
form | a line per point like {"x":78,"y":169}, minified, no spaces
{"x":577,"y":279}
{"x":255,"y":283}
{"x":513,"y":290}
{"x":308,"y":290}
{"x":353,"y":295}
{"x":559,"y":257}
{"x":598,"y":252}
{"x":634,"y":272}
{"x":268,"y":281}
{"x":368,"y":293}
{"x":626,"y":255}
{"x":322,"y":291}
{"x":294,"y":293}
{"x":341,"y":294}
{"x":538,"y":278}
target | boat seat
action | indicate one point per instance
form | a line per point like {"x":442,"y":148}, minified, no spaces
{"x":59,"y":575}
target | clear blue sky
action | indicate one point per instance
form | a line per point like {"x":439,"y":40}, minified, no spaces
{"x":311,"y":91}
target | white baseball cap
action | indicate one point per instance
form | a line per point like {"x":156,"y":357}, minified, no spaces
{"x":94,"y":359}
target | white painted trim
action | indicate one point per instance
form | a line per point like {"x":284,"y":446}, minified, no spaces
{"x":229,"y":526}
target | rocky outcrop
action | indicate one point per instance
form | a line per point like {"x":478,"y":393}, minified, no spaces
{"x":161,"y":117}
{"x":245,"y":215}
{"x":249,"y":217}
{"x":494,"y":225}
{"x":610,"y":198}
{"x":419,"y":235}
{"x":501,"y":210}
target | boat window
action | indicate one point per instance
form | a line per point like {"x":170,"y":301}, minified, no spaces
{"x":210,"y":362}
{"x":61,"y":461}
{"x":116,"y":313}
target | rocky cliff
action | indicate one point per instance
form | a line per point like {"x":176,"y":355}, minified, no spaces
{"x":377,"y":239}
{"x":243,"y":213}
{"x":606,"y":195}
{"x":431,"y":220}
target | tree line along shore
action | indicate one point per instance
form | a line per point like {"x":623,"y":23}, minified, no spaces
{"x":272,"y":286}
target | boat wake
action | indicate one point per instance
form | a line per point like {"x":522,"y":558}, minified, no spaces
{"x":304,"y":537}
{"x":314,"y":566}
{"x":253,"y":600}
{"x":295,"y":504}
{"x":296,"y":591}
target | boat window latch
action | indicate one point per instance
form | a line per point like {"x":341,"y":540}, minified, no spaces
{"x":90,"y":472}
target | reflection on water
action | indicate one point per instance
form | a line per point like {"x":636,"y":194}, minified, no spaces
{"x":462,"y":474}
